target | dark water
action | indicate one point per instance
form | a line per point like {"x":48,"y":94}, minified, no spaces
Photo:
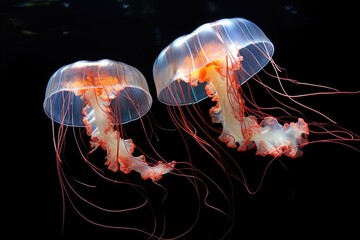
{"x":316,"y":195}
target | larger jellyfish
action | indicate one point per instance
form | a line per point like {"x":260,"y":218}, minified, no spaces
{"x":101,"y":96}
{"x":213,"y":61}
{"x":216,"y":61}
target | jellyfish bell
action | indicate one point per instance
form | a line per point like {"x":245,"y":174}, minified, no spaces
{"x":226,"y":39}
{"x":213,"y":62}
{"x":100,"y":96}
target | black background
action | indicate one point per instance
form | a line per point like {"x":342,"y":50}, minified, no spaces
{"x":315,"y":195}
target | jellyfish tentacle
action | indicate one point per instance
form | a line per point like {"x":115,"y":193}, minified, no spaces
{"x":100,"y":127}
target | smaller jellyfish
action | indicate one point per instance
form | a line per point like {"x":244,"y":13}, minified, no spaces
{"x":100,"y":96}
{"x":93,"y":99}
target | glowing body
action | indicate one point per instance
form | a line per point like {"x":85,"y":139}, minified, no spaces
{"x":244,"y":132}
{"x":81,"y":94}
{"x":215,"y":60}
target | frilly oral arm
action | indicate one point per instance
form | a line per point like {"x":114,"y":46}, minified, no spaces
{"x":119,"y":151}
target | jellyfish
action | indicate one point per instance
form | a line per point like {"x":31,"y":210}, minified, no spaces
{"x":95,"y":99}
{"x":98,"y":96}
{"x":216,"y":61}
